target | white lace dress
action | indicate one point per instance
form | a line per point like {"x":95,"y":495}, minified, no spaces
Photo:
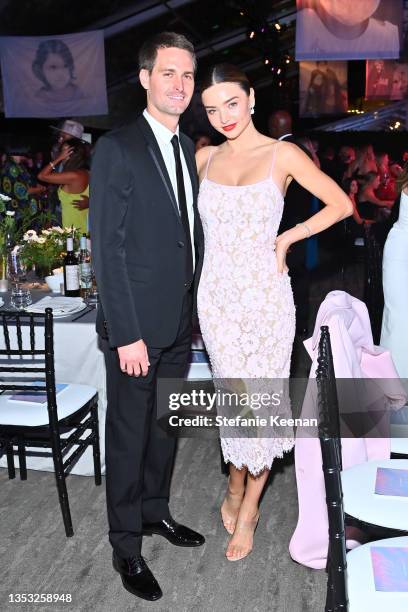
{"x":245,"y":308}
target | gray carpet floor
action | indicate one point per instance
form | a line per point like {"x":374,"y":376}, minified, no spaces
{"x":36,"y":557}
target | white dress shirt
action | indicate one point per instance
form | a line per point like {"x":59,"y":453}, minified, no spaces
{"x":163,"y":136}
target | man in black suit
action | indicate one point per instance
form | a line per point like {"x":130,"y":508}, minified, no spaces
{"x":298,"y":202}
{"x":147,"y":248}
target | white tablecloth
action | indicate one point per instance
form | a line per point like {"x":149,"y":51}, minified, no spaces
{"x":77,"y":360}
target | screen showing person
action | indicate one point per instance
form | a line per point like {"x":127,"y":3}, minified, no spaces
{"x":386,"y":80}
{"x":346,"y":29}
{"x":323,"y":88}
{"x":54,"y":66}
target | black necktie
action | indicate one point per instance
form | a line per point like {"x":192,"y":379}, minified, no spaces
{"x":182,"y":201}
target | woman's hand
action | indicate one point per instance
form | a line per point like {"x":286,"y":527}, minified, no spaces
{"x":82,"y":203}
{"x":282,"y":245}
{"x":65,"y":153}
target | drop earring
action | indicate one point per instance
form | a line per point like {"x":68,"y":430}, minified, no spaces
{"x":252,"y":110}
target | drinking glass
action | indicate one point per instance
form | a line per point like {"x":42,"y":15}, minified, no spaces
{"x":20,"y":297}
{"x":16,"y":269}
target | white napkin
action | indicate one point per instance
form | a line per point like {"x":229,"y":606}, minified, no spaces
{"x":59,"y":305}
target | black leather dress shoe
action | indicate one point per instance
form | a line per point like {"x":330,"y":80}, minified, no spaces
{"x":177,"y":534}
{"x":136,"y":577}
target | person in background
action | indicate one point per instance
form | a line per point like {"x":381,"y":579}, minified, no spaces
{"x":368,"y":203}
{"x":357,"y":222}
{"x":328,"y":162}
{"x":16,"y":182}
{"x":387,"y":190}
{"x":298,"y":206}
{"x":38,"y":160}
{"x":364,"y":162}
{"x":201,"y":140}
{"x":67,"y":130}
{"x":394,"y":332}
{"x":73,"y":183}
{"x":346,"y":159}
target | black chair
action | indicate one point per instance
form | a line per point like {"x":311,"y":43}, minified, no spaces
{"x":24,"y":367}
{"x":373,"y":287}
{"x":329,"y":435}
{"x":350,"y":582}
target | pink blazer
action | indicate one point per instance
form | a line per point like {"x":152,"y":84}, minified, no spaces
{"x":354,"y":356}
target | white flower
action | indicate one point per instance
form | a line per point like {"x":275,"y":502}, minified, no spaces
{"x":45,"y":232}
{"x":57,"y":228}
{"x":4,"y":198}
{"x":10,"y":213}
{"x":30,"y":236}
{"x":41,"y":240}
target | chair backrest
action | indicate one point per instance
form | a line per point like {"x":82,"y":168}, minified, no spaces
{"x":24,"y":365}
{"x":329,"y":435}
{"x":373,"y":287}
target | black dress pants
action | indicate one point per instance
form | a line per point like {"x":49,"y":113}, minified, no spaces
{"x":139,"y":457}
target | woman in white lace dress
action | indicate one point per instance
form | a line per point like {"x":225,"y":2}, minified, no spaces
{"x":245,"y":301}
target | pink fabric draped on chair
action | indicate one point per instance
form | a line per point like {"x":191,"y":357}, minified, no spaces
{"x":354,"y":356}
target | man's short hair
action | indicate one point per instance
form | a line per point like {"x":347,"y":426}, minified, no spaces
{"x":163,"y":40}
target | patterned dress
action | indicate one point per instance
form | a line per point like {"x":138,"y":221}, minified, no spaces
{"x":15,"y":180}
{"x":245,"y":308}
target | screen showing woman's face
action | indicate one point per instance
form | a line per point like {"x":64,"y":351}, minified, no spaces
{"x":56,"y":72}
{"x":350,"y":12}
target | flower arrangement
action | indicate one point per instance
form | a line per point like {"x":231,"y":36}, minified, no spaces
{"x":46,"y":250}
{"x":7,"y":231}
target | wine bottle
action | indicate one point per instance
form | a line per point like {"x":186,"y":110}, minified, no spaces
{"x":71,"y":271}
{"x":85,"y":269}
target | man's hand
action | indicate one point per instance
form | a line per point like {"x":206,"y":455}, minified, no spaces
{"x":82,"y":203}
{"x":134,"y":359}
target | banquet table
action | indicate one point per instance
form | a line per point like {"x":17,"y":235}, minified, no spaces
{"x":79,"y":359}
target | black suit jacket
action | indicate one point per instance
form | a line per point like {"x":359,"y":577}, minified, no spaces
{"x":137,"y":237}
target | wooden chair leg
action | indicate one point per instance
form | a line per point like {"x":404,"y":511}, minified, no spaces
{"x":10,"y":461}
{"x":62,"y":488}
{"x":95,"y":444}
{"x":22,"y":460}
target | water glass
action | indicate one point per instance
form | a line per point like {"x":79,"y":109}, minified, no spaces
{"x":20,"y":297}
{"x":16,"y":269}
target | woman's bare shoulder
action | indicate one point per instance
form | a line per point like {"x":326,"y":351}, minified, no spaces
{"x":202,"y":156}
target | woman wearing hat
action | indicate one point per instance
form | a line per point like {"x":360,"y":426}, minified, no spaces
{"x":73,"y":181}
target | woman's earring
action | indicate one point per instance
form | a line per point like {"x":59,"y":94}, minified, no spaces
{"x":252,"y":110}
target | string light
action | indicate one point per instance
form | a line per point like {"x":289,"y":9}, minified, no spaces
{"x":279,"y":70}
{"x":280,"y":83}
{"x":266,"y":61}
{"x":252,"y":35}
{"x":278,"y":26}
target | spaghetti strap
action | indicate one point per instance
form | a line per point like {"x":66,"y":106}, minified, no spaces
{"x":273,"y":158}
{"x":208,"y":162}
